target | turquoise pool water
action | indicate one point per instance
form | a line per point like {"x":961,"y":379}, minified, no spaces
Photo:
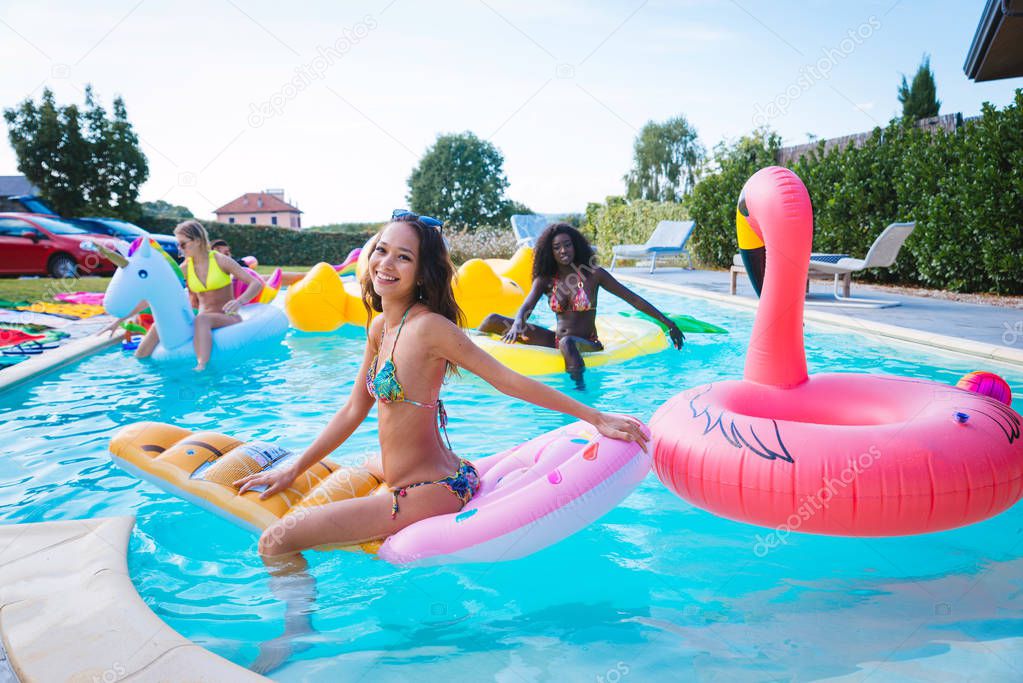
{"x":655,"y":590}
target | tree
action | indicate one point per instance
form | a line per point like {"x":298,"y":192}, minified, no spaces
{"x":666,"y":161}
{"x":460,"y":180}
{"x":81,"y":161}
{"x":162,"y":209}
{"x":513,"y":208}
{"x":712,"y":203}
{"x":920,"y":100}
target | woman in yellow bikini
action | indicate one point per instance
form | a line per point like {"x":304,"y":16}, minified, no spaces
{"x":208,"y":277}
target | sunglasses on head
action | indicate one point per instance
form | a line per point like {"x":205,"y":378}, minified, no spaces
{"x":405,"y":214}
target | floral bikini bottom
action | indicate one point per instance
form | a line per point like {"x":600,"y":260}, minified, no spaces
{"x":463,"y":484}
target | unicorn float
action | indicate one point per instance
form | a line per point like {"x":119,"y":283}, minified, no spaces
{"x":832,"y":453}
{"x":149,"y":273}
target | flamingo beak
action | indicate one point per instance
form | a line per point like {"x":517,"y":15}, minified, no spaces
{"x":752,"y":250}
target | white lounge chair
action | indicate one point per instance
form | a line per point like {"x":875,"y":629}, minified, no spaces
{"x":527,"y":227}
{"x":882,"y":254}
{"x":669,"y":237}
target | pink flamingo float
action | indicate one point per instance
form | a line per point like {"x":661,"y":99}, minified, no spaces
{"x":835,"y":453}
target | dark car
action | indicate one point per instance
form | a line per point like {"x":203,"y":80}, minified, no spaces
{"x":126,"y":231}
{"x":32,"y":244}
{"x":26,"y":203}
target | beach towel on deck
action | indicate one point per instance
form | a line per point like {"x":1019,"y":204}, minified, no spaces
{"x":90,"y":298}
{"x":72,"y":311}
{"x":28,"y":317}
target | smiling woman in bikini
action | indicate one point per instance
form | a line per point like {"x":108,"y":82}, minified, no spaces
{"x":564,"y":270}
{"x":410,"y":348}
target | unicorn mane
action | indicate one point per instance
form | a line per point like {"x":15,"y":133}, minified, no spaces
{"x":156,"y":245}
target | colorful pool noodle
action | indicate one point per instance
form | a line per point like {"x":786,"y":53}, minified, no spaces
{"x":347,"y":267}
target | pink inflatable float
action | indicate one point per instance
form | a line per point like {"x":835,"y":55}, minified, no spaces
{"x":530,"y":497}
{"x":271,"y":285}
{"x":843,"y":454}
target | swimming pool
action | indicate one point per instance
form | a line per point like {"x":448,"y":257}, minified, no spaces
{"x":656,"y":588}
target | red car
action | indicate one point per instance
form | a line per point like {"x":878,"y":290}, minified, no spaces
{"x":33,"y":244}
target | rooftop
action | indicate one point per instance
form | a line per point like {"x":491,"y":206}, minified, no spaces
{"x":11,"y":185}
{"x":258,"y":202}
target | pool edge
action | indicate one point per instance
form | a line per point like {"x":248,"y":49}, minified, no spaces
{"x":958,"y":345}
{"x":51,"y":360}
{"x":69,"y":610}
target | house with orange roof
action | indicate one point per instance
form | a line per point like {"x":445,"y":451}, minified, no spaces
{"x":261,"y":208}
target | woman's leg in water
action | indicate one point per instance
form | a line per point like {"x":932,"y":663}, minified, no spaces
{"x":345,"y":522}
{"x":292,"y":584}
{"x":148,"y":344}
{"x":572,"y":349}
{"x":202,"y":336}
{"x":534,"y":335}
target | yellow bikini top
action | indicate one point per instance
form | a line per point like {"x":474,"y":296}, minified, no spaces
{"x":216,"y":278}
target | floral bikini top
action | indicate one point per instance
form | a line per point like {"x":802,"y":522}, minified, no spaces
{"x":579,"y":302}
{"x":383,"y":384}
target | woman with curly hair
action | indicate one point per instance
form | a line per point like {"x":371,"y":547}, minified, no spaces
{"x":565,"y":269}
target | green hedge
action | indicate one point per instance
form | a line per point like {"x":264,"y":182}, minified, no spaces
{"x":622,"y":221}
{"x":273,"y":245}
{"x":350,"y":228}
{"x":712,"y":202}
{"x":963,"y":188}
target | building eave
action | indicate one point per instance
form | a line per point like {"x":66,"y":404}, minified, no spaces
{"x":997,"y":48}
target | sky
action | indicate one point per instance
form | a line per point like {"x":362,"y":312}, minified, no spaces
{"x":336,"y":101}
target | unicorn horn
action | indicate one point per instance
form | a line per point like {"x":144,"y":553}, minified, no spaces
{"x":109,"y":254}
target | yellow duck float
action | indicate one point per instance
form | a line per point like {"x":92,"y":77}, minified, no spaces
{"x":322,"y":302}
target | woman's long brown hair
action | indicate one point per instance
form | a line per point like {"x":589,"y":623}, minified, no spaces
{"x":435,"y":271}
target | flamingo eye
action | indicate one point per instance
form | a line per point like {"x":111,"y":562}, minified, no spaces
{"x":143,"y":274}
{"x":742,"y":204}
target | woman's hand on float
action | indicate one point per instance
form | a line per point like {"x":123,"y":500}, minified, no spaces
{"x":515,"y":331}
{"x":112,"y":327}
{"x":622,"y":428}
{"x":232,"y":306}
{"x":275,"y":481}
{"x":677,"y":338}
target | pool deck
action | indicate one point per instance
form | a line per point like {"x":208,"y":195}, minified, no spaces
{"x":990,"y":333}
{"x":69,"y":611}
{"x":84,"y":341}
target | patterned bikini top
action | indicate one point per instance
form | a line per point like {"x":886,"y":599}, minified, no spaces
{"x":383,"y":384}
{"x":579,"y":301}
